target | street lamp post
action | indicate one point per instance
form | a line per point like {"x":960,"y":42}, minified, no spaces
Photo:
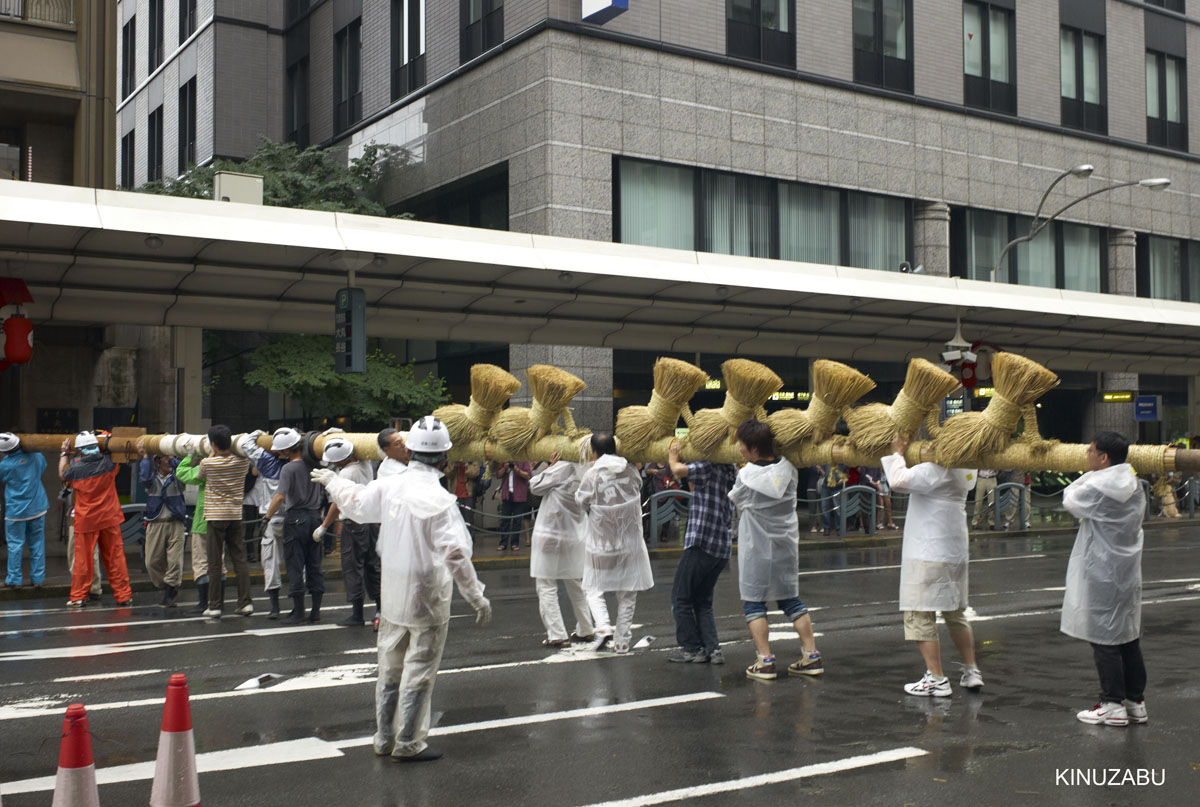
{"x":1039,"y":224}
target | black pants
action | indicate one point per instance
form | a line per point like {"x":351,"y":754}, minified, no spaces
{"x":512,"y":521}
{"x":1122,"y":671}
{"x":301,"y":554}
{"x":692,"y":597}
{"x":222,"y":537}
{"x":360,"y":564}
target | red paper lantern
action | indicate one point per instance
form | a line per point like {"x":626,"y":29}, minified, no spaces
{"x":18,"y":339}
{"x":967,"y":372}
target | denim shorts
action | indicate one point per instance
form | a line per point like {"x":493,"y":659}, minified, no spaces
{"x":792,"y":607}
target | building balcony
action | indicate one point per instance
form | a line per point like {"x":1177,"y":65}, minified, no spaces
{"x":54,"y":13}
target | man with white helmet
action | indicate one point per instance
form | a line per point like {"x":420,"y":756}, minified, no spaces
{"x":25,"y":506}
{"x":300,"y":501}
{"x":98,"y":519}
{"x":269,"y":465}
{"x":425,"y":548}
{"x":360,"y":564}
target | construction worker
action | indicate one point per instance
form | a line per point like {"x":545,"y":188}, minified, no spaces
{"x":268,"y":464}
{"x":98,"y":519}
{"x":425,"y":548}
{"x":360,"y":564}
{"x":25,"y":506}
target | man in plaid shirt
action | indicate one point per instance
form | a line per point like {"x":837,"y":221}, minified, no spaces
{"x":707,"y":546}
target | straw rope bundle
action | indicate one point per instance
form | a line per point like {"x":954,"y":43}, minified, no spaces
{"x":748,"y":385}
{"x":967,"y":437}
{"x":675,"y":382}
{"x":874,"y":426}
{"x":517,"y":427}
{"x":835,"y":387}
{"x":491,"y":387}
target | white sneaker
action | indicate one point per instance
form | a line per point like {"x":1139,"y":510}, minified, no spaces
{"x":246,"y":610}
{"x":1110,"y":714}
{"x":1136,"y":711}
{"x":971,"y":678}
{"x":214,"y":613}
{"x":930,"y":687}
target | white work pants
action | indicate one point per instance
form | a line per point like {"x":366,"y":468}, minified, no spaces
{"x":547,"y":591}
{"x":271,"y":550}
{"x":408,"y":665}
{"x":626,"y":602}
{"x":599,"y":609}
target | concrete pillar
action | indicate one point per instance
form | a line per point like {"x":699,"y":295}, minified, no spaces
{"x":187,"y":349}
{"x":1122,"y":262}
{"x":592,"y":408}
{"x":931,"y":237}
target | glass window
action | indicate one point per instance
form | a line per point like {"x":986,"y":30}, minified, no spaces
{"x":1082,"y":70}
{"x":1081,"y":257}
{"x":761,"y":30}
{"x":1066,"y":55}
{"x":737,"y":215}
{"x":657,"y":205}
{"x":187,"y":19}
{"x":809,"y":224}
{"x":895,"y":29}
{"x":998,"y":44}
{"x":1193,"y":284}
{"x":347,"y":76}
{"x":878,"y":231}
{"x":1171,"y":85}
{"x":1152,"y":106}
{"x":154,"y":145}
{"x":1035,"y":259}
{"x":987,"y":233}
{"x":155,"y":43}
{"x":128,"y":155}
{"x":1166,"y":102}
{"x":408,"y":46}
{"x":1091,"y":69}
{"x":128,"y":57}
{"x":973,"y":39}
{"x":1166,"y":267}
{"x":881,"y":43}
{"x":864,"y":25}
{"x":186,"y":142}
{"x":776,"y":15}
{"x":482,"y":27}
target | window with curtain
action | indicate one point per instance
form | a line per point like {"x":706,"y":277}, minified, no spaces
{"x":1166,"y":101}
{"x":761,"y":30}
{"x":736,"y":215}
{"x":882,"y":35}
{"x":1081,"y":257}
{"x":1165,"y":258}
{"x":877,"y":230}
{"x":1036,"y":263}
{"x":810,"y":227}
{"x":658,"y":207}
{"x":347,"y":76}
{"x":989,"y":51}
{"x":987,"y":233}
{"x":1081,"y":62}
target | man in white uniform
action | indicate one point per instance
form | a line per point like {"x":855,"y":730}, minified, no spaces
{"x":425,"y":549}
{"x":933,"y":566}
{"x":557,"y":551}
{"x":360,"y":564}
{"x":1103,"y":601}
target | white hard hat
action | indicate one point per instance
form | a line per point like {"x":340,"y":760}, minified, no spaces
{"x":337,"y":450}
{"x":428,"y":436}
{"x":85,"y":439}
{"x":8,"y":441}
{"x":285,"y":437}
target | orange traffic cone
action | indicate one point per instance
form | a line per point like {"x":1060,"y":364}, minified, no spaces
{"x":75,"y":784}
{"x":175,"y":781}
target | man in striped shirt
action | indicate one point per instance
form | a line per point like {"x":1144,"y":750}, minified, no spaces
{"x":224,"y":475}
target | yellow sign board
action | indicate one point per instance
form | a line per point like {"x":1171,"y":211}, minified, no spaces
{"x":1118,"y":396}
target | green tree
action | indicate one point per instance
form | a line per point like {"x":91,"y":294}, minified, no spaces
{"x":311,"y":178}
{"x":302,"y":367}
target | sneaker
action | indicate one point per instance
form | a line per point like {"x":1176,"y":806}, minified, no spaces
{"x":930,"y":687}
{"x":213,"y":613}
{"x":575,"y":637}
{"x":601,"y":641}
{"x":1136,"y":711}
{"x":810,"y":664}
{"x":621,"y":648}
{"x":1110,"y":714}
{"x":428,"y":755}
{"x":763,"y":669}
{"x":716,"y":657}
{"x":125,"y":603}
{"x":74,"y":603}
{"x":971,"y":678}
{"x":246,"y":610}
{"x":681,"y":656}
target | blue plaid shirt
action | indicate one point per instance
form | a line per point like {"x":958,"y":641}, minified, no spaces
{"x":710,"y":514}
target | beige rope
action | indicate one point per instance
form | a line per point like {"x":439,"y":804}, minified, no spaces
{"x":663,"y":411}
{"x":907,"y":414}
{"x":1002,"y":415}
{"x":1148,"y":459}
{"x":821,"y":415}
{"x":479,"y":415}
{"x":735,"y":413}
{"x":542,"y":417}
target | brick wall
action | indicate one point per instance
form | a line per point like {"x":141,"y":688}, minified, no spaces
{"x":441,"y":38}
{"x":824,"y":39}
{"x":320,"y":73}
{"x":248,"y":93}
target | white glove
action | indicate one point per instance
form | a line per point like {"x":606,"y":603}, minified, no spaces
{"x":318,"y":534}
{"x":483,"y":612}
{"x":322,"y":476}
{"x":333,"y":430}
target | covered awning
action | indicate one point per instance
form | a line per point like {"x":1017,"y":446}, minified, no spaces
{"x":130,"y":258}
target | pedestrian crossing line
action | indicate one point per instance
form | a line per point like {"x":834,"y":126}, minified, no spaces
{"x":897,"y":565}
{"x":312,"y":748}
{"x":762,"y":780}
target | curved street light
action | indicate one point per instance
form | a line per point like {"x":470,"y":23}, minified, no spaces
{"x":1039,"y":224}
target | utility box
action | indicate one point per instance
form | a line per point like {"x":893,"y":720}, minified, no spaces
{"x":230,"y":186}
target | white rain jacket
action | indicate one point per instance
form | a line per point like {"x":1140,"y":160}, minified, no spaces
{"x":423,"y":543}
{"x":616,"y":559}
{"x":560,"y":529}
{"x":390,"y":467}
{"x":768,"y":531}
{"x":1103,"y":600}
{"x":933,"y":564}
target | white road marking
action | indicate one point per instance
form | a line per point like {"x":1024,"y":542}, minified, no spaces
{"x":312,"y":748}
{"x":897,"y":566}
{"x":790,"y":775}
{"x":105,"y":676}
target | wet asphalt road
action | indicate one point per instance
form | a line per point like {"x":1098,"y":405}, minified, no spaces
{"x":650,"y":728}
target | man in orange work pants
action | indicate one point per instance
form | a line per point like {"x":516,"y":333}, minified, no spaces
{"x":98,"y":518}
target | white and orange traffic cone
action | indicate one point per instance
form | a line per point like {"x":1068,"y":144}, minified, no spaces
{"x":75,"y":783}
{"x":175,"y":781}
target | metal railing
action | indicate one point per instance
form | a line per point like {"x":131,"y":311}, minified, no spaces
{"x":51,"y":12}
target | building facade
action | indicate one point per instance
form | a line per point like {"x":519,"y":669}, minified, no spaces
{"x":869,"y":133}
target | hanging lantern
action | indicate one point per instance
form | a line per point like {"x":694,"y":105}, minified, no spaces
{"x":18,"y":339}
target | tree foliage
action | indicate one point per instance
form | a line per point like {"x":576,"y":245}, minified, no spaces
{"x":302,"y":367}
{"x":311,"y":178}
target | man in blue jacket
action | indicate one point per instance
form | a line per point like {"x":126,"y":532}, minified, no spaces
{"x":25,"y":507}
{"x":166,"y":519}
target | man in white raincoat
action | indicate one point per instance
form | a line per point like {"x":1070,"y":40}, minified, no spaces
{"x":1103,"y":600}
{"x":769,"y":550}
{"x":617,"y":559}
{"x":424,"y":548}
{"x":557,"y":551}
{"x":933,"y":565}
